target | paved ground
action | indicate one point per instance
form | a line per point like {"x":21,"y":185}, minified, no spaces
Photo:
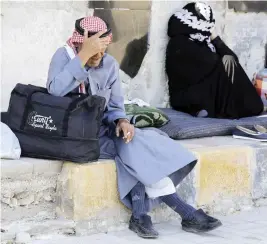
{"x":249,"y":227}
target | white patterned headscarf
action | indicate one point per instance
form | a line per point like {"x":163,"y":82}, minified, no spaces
{"x":196,"y":21}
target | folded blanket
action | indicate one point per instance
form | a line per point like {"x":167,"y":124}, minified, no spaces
{"x":145,"y":116}
{"x":185,"y":126}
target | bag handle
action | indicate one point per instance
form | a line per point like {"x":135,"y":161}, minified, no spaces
{"x":28,"y":104}
{"x":76,"y":104}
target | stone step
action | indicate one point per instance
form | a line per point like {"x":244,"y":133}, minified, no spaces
{"x":231,"y":175}
{"x":28,"y":180}
{"x":28,"y":188}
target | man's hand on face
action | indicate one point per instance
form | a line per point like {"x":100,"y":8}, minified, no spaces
{"x":126,"y":128}
{"x":92,"y":46}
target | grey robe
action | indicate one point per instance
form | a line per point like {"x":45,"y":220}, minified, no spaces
{"x":150,"y":156}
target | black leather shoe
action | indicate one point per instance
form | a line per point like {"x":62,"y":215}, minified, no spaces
{"x":143,"y":227}
{"x":201,"y":223}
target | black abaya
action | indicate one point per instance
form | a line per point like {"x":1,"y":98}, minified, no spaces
{"x":200,"y":79}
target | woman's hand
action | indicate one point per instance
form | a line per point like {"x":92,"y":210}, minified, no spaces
{"x":127,"y":129}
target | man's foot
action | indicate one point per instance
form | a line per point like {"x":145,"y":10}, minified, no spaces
{"x":200,"y":223}
{"x":143,"y":227}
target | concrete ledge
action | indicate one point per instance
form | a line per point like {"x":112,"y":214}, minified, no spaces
{"x":25,"y":168}
{"x":28,"y":189}
{"x":28,"y":181}
{"x":252,"y":160}
{"x":230,"y":176}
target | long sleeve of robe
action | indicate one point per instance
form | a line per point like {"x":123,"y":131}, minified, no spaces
{"x":65,"y":75}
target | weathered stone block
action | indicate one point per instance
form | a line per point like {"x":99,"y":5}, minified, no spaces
{"x":23,"y":237}
{"x":16,"y":169}
{"x":45,"y":167}
{"x":27,"y":200}
{"x":88,"y":191}
{"x":259,"y":174}
{"x":25,"y":168}
{"x":223,"y":177}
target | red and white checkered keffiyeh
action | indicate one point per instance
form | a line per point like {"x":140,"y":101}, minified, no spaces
{"x":92,"y":24}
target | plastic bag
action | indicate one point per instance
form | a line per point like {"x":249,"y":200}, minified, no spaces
{"x":10,"y":147}
{"x":260,"y":83}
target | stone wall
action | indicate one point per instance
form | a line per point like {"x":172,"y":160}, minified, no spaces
{"x":129,"y":41}
{"x":246,"y":33}
{"x":31,"y":32}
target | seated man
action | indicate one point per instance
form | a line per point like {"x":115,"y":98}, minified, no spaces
{"x":149,"y":164}
{"x":205,"y":77}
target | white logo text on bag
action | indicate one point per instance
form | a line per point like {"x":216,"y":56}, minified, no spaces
{"x":39,"y":121}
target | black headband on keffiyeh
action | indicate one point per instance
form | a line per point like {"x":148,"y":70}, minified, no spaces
{"x":195,"y":20}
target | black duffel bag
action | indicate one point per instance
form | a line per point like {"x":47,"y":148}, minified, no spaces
{"x":62,"y":128}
